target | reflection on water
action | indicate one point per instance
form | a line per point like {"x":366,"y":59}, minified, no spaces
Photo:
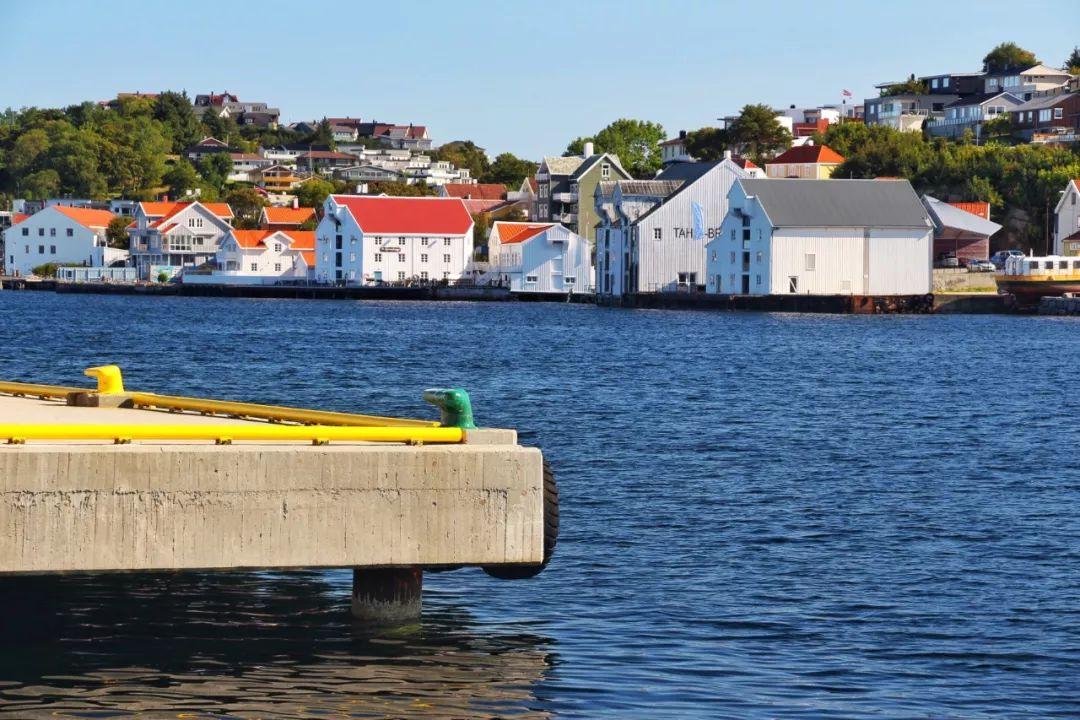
{"x":228,"y":645}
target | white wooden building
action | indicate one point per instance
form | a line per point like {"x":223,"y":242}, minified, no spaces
{"x":260,"y":257}
{"x":171,"y":236}
{"x":1067,"y":221}
{"x":652,"y":233}
{"x":367,"y":240}
{"x":539,"y":258}
{"x":822,"y":237}
{"x":62,"y":235}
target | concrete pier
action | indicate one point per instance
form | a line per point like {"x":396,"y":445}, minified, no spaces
{"x":96,"y":506}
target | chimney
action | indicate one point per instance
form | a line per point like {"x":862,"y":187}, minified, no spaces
{"x":682,"y":134}
{"x":295,"y":202}
{"x":727,"y":154}
{"x":588,"y":150}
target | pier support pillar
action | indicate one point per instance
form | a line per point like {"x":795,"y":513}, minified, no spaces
{"x":387,"y":596}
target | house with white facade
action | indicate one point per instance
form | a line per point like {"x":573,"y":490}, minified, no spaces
{"x":260,"y":257}
{"x":652,"y":233}
{"x":1067,"y":221}
{"x":1026,"y":83}
{"x":62,"y":235}
{"x":822,"y":237}
{"x":970,"y":113}
{"x":167,"y":237}
{"x":539,"y":258}
{"x":371,"y":240}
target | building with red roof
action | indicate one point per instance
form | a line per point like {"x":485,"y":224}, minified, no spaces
{"x":538,"y":257}
{"x":808,"y":162}
{"x":371,"y":240}
{"x":259,"y":257}
{"x":170,"y":237}
{"x":59,"y":235}
{"x":477,"y":191}
{"x":285,"y":218}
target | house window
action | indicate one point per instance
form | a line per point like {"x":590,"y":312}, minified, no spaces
{"x":424,"y":275}
{"x":41,"y":232}
{"x":337,"y":242}
{"x":277,"y":247}
{"x":52,"y":232}
{"x":1058,"y":113}
{"x":733,"y":234}
{"x":401,"y":241}
{"x":52,"y":249}
{"x":757,"y":280}
{"x":352,"y":257}
{"x":70,"y":232}
{"x":401,"y":257}
{"x":793,"y":284}
{"x":40,"y":249}
{"x":657,"y":234}
{"x":934,"y":83}
{"x":569,"y":280}
{"x":733,"y":257}
{"x":760,"y":256}
{"x":446,"y":242}
{"x":401,"y":276}
{"x":277,"y":267}
{"x":605,"y":171}
{"x":26,"y":231}
{"x":530,"y":278}
{"x":378,"y":257}
{"x":423,"y":258}
{"x":254,"y":266}
{"x":810,"y":262}
{"x":446,"y":258}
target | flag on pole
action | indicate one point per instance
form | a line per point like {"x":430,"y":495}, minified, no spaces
{"x":699,"y":221}
{"x":847,"y":93}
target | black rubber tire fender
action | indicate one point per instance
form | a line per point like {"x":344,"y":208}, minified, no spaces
{"x":551,"y":534}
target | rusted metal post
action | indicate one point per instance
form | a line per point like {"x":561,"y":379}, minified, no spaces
{"x":387,"y":596}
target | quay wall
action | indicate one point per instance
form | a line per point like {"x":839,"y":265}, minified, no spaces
{"x":841,"y":304}
{"x":68,"y":508}
{"x":1059,"y":306}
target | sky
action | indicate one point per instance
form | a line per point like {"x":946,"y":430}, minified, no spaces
{"x":524,"y":77}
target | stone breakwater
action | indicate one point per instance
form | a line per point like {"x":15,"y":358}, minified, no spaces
{"x":1067,"y":305}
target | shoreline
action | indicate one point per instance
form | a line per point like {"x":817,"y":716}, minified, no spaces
{"x":940,"y":303}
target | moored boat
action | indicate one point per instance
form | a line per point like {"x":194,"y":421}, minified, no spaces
{"x":1030,"y":278}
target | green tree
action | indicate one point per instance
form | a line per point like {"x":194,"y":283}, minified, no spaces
{"x":999,"y":127}
{"x":181,"y":179}
{"x":1072,"y":63}
{"x":247,"y":205}
{"x":41,"y":184}
{"x":757,"y":134}
{"x":635,"y":142}
{"x":400,"y":189}
{"x":509,"y":170}
{"x":174,"y":111}
{"x":481,"y":230}
{"x":117,"y":232}
{"x":707,"y":144}
{"x":224,"y":129}
{"x":314,"y":192}
{"x":911,"y":86}
{"x":215,"y":169}
{"x":1008,"y":55}
{"x":464,"y":154}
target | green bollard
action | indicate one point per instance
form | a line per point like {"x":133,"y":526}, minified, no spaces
{"x":455,"y":406}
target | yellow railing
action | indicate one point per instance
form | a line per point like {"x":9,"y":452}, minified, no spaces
{"x":110,"y":382}
{"x":225,"y":434}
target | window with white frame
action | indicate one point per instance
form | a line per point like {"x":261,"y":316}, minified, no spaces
{"x":277,"y":247}
{"x":446,"y":258}
{"x":657,"y":234}
{"x":277,"y":267}
{"x":605,"y":171}
{"x":810,"y":262}
{"x":254,"y":267}
{"x":378,"y":257}
{"x":401,"y":257}
{"x":446,"y":242}
{"x":531,"y":278}
{"x":401,"y":275}
{"x":423,"y":258}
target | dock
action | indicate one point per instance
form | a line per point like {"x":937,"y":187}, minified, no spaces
{"x":108,"y":480}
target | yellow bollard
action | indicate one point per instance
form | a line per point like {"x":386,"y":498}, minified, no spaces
{"x":109,"y":379}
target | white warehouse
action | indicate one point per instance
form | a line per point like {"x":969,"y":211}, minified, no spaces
{"x":62,"y":235}
{"x":822,"y":237}
{"x":539,"y":258}
{"x":366,"y":240}
{"x":652,"y":233}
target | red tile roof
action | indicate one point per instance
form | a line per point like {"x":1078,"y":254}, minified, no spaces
{"x":251,"y":239}
{"x":482,"y":206}
{"x":165,"y":210}
{"x":511,"y":232}
{"x":808,"y":154}
{"x":18,"y":218}
{"x":744,"y":163}
{"x":482,"y":191}
{"x":288,"y":215}
{"x":407,"y":215}
{"x":86,"y":217}
{"x":982,"y":209}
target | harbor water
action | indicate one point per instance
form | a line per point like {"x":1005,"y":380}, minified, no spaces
{"x":763,"y":516}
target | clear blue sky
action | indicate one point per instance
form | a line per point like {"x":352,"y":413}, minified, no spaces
{"x":520,"y":76}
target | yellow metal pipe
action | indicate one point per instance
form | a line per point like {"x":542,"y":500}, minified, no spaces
{"x":37,"y":390}
{"x":271,"y":412}
{"x":16,"y":433}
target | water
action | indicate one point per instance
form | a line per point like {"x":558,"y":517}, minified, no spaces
{"x":763,"y":516}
